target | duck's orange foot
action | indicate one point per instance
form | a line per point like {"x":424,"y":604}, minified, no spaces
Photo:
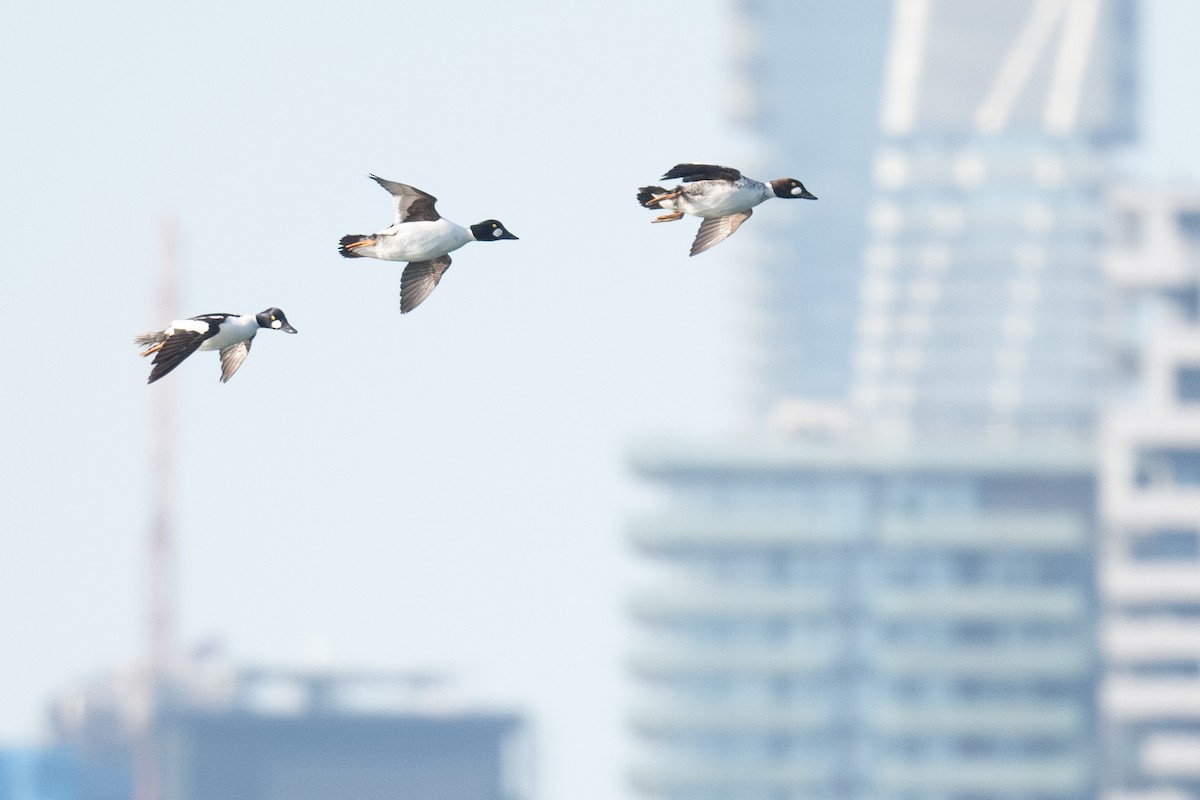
{"x":669,"y":217}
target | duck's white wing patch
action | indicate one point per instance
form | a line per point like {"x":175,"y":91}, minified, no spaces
{"x":717,"y":229}
{"x":419,"y":279}
{"x":232,"y":358}
{"x":190,"y":325}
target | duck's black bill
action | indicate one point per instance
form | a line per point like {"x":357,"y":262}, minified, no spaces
{"x":806,"y":195}
{"x":288,"y":328}
{"x":508,"y":235}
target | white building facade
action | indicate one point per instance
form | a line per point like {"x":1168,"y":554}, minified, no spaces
{"x":1150,"y":501}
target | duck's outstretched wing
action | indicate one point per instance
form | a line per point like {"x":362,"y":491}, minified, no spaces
{"x":174,"y":349}
{"x":419,"y":279}
{"x":717,"y":229}
{"x":412,"y":205}
{"x":701,"y":172}
{"x":232,"y":358}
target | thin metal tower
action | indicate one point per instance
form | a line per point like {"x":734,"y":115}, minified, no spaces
{"x":160,"y":541}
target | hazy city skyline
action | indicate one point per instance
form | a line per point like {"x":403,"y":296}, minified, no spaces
{"x":440,"y":490}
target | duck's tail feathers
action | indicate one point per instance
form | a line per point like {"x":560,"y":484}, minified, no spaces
{"x":345,"y":245}
{"x":149,"y":338}
{"x":646,"y":196}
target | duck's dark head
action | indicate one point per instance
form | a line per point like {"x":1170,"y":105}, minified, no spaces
{"x":274,"y":319}
{"x":791,"y":189}
{"x":490,"y":230}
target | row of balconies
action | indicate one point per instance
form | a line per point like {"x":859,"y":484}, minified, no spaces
{"x":1047,"y":531}
{"x":973,"y":719}
{"x":708,"y":601}
{"x":1027,"y":777}
{"x":1051,"y":662}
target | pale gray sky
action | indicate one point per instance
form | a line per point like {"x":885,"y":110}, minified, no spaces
{"x":444,"y":489}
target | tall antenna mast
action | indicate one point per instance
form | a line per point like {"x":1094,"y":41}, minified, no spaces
{"x":160,"y":542}
{"x":162,"y":465}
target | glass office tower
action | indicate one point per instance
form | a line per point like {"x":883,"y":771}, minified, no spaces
{"x":830,"y":622}
{"x":896,"y":598}
{"x":983,"y":294}
{"x":806,"y":85}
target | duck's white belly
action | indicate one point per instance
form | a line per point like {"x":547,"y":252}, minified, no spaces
{"x":420,"y":241}
{"x":719,"y":198}
{"x":234,"y":330}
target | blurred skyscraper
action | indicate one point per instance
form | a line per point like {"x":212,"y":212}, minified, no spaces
{"x":983,"y":295}
{"x":891,"y":592}
{"x":835,"y":621}
{"x":1150,"y":491}
{"x":807,"y":87}
{"x":279,"y":734}
{"x":33,"y":773}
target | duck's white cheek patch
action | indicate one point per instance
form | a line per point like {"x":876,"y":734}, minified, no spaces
{"x":797,"y":191}
{"x":276,"y":324}
{"x":497,"y":233}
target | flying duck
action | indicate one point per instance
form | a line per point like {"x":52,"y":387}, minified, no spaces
{"x":722,"y":196}
{"x":420,"y":236}
{"x":231,"y":334}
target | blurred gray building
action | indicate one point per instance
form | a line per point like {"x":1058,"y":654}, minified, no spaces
{"x":890,"y":590}
{"x":983,"y":300}
{"x":276,"y":734}
{"x":288,"y":735}
{"x":38,"y":773}
{"x":834,"y":622}
{"x":806,"y":85}
{"x":1150,"y":501}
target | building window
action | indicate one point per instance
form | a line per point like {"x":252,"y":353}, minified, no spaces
{"x":1167,"y":466}
{"x":1189,"y":224}
{"x":1180,"y":668}
{"x":976,"y":747}
{"x":1166,"y":545}
{"x":778,"y":746}
{"x":1187,"y":384}
{"x":1185,"y":302}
